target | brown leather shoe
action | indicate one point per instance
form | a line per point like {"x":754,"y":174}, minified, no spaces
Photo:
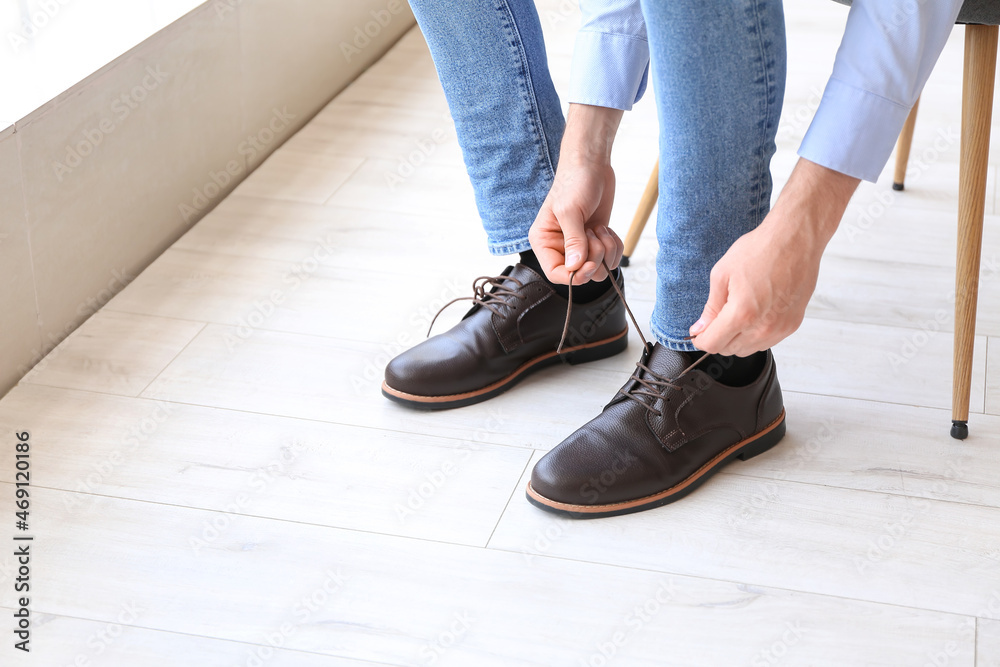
{"x":511,"y":331}
{"x":670,"y":428}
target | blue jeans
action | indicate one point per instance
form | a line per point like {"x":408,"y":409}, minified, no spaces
{"x":718,"y":71}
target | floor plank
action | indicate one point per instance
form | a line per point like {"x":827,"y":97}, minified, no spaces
{"x":988,"y":640}
{"x":118,"y":353}
{"x":993,"y":376}
{"x":60,"y":640}
{"x":299,"y":176}
{"x":350,"y":477}
{"x":855,"y":544}
{"x":311,"y":295}
{"x":338,"y":381}
{"x":389,"y":185}
{"x":891,"y":364}
{"x":880,"y":447}
{"x":287,"y":231}
{"x":403,"y":601}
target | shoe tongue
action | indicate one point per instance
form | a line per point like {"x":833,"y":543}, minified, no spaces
{"x":523,"y":273}
{"x":667,"y":363}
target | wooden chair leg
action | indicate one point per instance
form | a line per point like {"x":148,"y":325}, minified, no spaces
{"x":977,"y":113}
{"x":646,"y":204}
{"x":903,"y":148}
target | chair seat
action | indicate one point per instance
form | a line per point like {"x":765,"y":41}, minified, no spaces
{"x":978,"y":12}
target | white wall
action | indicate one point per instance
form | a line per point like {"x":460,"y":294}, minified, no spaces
{"x":99,"y":181}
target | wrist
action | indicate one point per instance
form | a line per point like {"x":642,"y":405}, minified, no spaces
{"x":814,"y":200}
{"x":589,"y":135}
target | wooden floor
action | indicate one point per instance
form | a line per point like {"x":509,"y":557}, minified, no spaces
{"x":217,"y":480}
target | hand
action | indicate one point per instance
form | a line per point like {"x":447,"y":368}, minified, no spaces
{"x":571,"y":232}
{"x":762,"y":285}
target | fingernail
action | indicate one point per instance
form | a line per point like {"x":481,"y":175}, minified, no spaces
{"x":572,"y":259}
{"x":698,"y":327}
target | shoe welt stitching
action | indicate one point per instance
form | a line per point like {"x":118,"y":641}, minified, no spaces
{"x":499,"y":383}
{"x":714,"y":462}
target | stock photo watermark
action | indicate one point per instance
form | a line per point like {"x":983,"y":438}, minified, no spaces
{"x":566,"y":10}
{"x":43,"y":356}
{"x":632,"y":624}
{"x":264,"y":309}
{"x":364,"y":34}
{"x":22,"y":540}
{"x":426,"y":146}
{"x":303,"y":611}
{"x":248,"y":149}
{"x":895,"y":531}
{"x":766,"y":492}
{"x":919,"y":163}
{"x":101,"y":471}
{"x":104,"y":637}
{"x":436,"y":479}
{"x":257,"y":482}
{"x":33,"y":22}
{"x":419,"y":320}
{"x":967,"y":631}
{"x":778,"y":649}
{"x":460,"y":624}
{"x":119,"y":110}
{"x":911,"y":344}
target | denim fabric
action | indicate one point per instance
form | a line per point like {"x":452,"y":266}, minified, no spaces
{"x":718,"y":71}
{"x":490,"y":57}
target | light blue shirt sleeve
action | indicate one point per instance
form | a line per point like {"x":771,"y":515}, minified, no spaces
{"x":887,"y":53}
{"x":611,"y":55}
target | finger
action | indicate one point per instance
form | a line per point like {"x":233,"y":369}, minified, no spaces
{"x":592,"y":268}
{"x":718,"y":295}
{"x":619,"y":249}
{"x":547,"y":241}
{"x":736,"y":347}
{"x":744,"y":345}
{"x":760,"y":337}
{"x":607,"y":239}
{"x":551,"y":261}
{"x":575,"y":242}
{"x":721,"y":331}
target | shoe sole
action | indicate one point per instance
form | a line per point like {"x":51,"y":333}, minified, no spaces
{"x":580,"y":354}
{"x":743,"y":450}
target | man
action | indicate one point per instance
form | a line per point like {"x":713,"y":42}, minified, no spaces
{"x":733,"y":277}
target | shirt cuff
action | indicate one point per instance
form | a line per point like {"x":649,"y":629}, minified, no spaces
{"x":609,"y":70}
{"x":854,"y":131}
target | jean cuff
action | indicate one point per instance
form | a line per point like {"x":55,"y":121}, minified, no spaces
{"x":675,"y":342}
{"x":508,"y":247}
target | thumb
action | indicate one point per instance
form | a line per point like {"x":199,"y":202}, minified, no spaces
{"x":717,"y":296}
{"x":575,"y":242}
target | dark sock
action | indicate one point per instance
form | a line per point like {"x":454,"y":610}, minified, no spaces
{"x":581,"y":293}
{"x":733,"y":371}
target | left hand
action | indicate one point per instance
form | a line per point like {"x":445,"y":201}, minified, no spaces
{"x":762,"y":285}
{"x":570,"y":235}
{"x":571,"y":231}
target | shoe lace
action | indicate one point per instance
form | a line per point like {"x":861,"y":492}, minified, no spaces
{"x":489,"y":292}
{"x":647,"y":382}
{"x":492,"y":291}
